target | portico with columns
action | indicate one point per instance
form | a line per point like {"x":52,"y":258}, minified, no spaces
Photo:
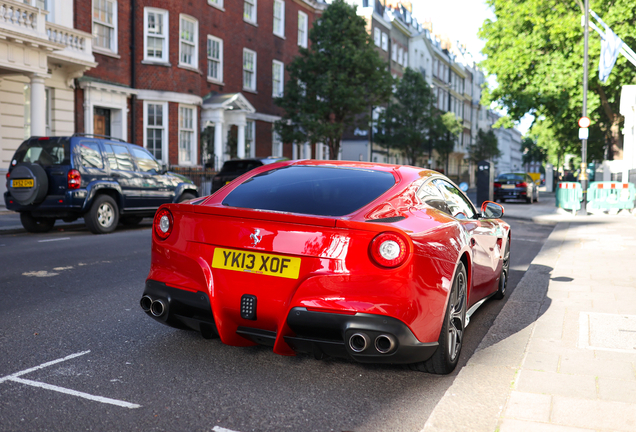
{"x":221,"y":112}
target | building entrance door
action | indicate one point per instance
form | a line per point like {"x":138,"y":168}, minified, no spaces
{"x":101,"y":121}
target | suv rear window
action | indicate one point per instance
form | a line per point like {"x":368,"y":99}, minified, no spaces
{"x":240,"y":165}
{"x":44,"y":151}
{"x":314,"y":190}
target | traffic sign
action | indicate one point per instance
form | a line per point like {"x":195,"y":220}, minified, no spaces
{"x":584,"y":122}
{"x":584,"y":133}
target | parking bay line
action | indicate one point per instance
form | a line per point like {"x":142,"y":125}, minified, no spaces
{"x":15,"y":378}
{"x":55,"y":239}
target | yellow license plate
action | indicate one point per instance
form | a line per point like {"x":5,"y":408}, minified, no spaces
{"x":254,"y":262}
{"x":22,"y":183}
{"x":507,"y":186}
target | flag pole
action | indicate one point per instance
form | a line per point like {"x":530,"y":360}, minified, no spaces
{"x":583,"y":176}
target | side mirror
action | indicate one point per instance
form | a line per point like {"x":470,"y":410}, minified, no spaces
{"x":491,"y":210}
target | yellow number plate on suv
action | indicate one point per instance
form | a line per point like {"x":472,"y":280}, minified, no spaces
{"x":19,"y":183}
{"x":254,"y":262}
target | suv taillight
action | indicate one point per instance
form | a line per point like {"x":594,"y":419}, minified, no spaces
{"x":74,"y":179}
{"x":389,"y":249}
{"x":521,"y":185}
{"x":497,"y":185}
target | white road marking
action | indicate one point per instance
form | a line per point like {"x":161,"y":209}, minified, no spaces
{"x":43,"y":365}
{"x":15,"y":378}
{"x":76,"y":393}
{"x":40,"y":273}
{"x":220,"y":429}
{"x":55,"y":239}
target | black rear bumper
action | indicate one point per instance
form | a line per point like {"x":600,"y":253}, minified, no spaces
{"x":330,"y":333}
{"x":317,"y":333}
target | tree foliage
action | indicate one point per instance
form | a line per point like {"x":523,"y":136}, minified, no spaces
{"x":532,"y":152}
{"x":408,"y":117}
{"x":486,"y":146}
{"x":444,"y":133}
{"x":333,"y":83}
{"x":535,"y":49}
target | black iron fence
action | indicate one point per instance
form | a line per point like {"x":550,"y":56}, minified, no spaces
{"x":202,"y":177}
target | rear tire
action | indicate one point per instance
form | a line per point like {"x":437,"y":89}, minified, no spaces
{"x":36,"y":224}
{"x":505,"y":269}
{"x":451,"y":337}
{"x":103,"y":216}
{"x":186,"y":196}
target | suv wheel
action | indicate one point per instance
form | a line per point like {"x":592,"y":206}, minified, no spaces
{"x":103,"y":216}
{"x":36,"y":192}
{"x":186,"y":196}
{"x":36,"y":224}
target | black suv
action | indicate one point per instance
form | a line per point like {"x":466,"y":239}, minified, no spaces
{"x":98,"y":178}
{"x":236,"y":167}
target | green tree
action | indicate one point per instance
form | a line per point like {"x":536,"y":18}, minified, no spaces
{"x":443,"y":134}
{"x":486,"y":146}
{"x":408,"y":117}
{"x":535,"y":50}
{"x":333,"y":83}
{"x":532,"y":152}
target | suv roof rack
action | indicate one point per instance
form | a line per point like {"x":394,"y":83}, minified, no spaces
{"x":99,"y":136}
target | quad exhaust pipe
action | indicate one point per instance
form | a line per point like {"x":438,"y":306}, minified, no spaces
{"x":156,"y":307}
{"x":384,"y":343}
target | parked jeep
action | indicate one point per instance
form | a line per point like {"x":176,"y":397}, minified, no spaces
{"x":101,"y":179}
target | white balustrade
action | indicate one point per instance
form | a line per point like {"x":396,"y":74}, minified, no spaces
{"x":19,"y":15}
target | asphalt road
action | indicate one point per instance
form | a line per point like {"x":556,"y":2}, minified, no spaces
{"x":72,"y":297}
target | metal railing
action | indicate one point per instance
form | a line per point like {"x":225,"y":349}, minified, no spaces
{"x":202,"y":177}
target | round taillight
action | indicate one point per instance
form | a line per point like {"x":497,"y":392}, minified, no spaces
{"x":389,"y":249}
{"x":163,"y":223}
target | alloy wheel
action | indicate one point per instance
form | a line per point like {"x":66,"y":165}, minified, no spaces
{"x":105,"y":215}
{"x":457,"y":317}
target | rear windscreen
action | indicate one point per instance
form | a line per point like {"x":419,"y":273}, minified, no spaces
{"x":322,"y":191}
{"x":44,"y":151}
{"x":507,"y":177}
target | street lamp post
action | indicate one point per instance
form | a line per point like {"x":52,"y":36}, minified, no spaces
{"x":583,"y":176}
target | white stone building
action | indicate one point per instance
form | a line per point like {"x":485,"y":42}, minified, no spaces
{"x":40,"y":56}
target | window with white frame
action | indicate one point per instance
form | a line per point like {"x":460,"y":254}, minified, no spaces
{"x":188,"y":38}
{"x":303,"y":23}
{"x":278,"y":73}
{"x":394,"y":51}
{"x":249,"y":69}
{"x":217,"y":3}
{"x":405,"y":61}
{"x":377,"y":37}
{"x":279,"y":18}
{"x":249,"y":139}
{"x":249,"y":11}
{"x":277,"y":145}
{"x":156,"y":35}
{"x":215,"y":59}
{"x":155,"y":129}
{"x":187,"y":135}
{"x":105,"y":24}
{"x":385,"y":41}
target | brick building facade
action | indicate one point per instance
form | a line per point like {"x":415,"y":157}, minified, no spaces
{"x":193,"y":81}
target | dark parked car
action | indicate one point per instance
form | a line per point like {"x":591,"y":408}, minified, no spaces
{"x":101,"y":179}
{"x":518,"y":186}
{"x":237,"y":167}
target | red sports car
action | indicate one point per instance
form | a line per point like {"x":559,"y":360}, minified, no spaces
{"x":379,"y":263}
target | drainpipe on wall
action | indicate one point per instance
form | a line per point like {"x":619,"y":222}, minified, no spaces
{"x":133,"y":98}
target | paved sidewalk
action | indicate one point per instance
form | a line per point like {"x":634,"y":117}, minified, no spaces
{"x":561,"y":355}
